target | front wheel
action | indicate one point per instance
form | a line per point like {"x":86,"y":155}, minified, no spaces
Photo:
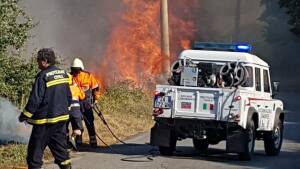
{"x":250,"y":131}
{"x":273,"y":139}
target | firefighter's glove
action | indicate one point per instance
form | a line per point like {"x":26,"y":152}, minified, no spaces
{"x":95,"y":102}
{"x":22,"y":118}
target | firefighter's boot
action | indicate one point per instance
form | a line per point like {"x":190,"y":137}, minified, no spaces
{"x":68,"y":166}
{"x":79,"y":140}
{"x":69,"y":143}
{"x":93,"y":141}
{"x":72,"y":142}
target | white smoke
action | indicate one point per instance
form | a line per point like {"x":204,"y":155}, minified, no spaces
{"x":10,"y":128}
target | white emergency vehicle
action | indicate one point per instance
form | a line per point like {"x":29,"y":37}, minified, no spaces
{"x":218,"y":92}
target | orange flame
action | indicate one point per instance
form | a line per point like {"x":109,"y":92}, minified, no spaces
{"x":186,"y":44}
{"x":133,"y":51}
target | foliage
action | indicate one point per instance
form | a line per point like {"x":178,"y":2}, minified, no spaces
{"x":124,"y":97}
{"x":16,"y":78}
{"x":14,"y":25}
{"x":12,"y":156}
{"x":126,"y":108}
{"x":293,"y":9}
{"x":16,"y":73}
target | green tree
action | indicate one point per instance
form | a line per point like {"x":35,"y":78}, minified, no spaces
{"x":16,"y":78}
{"x":16,"y":73}
{"x":293,"y":9}
{"x":14,"y":25}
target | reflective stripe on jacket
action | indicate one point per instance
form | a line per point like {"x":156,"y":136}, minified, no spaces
{"x":50,"y":97}
{"x":77,"y":93}
{"x":86,"y":81}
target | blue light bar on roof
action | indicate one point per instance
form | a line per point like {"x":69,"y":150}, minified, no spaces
{"x":223,"y":47}
{"x":243,"y":48}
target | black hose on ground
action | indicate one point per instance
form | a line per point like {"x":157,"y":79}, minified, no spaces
{"x":99,"y":113}
{"x":97,"y":135}
{"x":149,"y":156}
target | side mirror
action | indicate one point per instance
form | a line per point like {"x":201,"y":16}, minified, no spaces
{"x":276,"y":86}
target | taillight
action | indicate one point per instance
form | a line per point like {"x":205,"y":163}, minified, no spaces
{"x":237,"y":98}
{"x":157,"y":93}
{"x":157,"y":111}
{"x":211,"y":107}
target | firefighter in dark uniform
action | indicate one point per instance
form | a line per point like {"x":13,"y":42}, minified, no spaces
{"x":47,"y":111}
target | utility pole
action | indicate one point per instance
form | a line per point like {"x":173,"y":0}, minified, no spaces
{"x":237,"y":21}
{"x":165,"y":45}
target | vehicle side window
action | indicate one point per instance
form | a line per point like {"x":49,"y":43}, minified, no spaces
{"x":257,"y":79}
{"x":249,"y":80}
{"x":266,"y":82}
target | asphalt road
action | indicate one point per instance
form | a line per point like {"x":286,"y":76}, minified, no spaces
{"x":134,"y":156}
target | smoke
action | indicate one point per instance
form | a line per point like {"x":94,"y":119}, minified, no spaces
{"x":77,"y":28}
{"x":10,"y":129}
{"x":261,"y":23}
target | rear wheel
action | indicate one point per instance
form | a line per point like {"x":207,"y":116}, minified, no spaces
{"x":250,"y":131}
{"x":273,"y":139}
{"x":167,"y":151}
{"x":201,"y":145}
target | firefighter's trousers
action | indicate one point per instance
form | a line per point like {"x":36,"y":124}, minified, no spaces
{"x":75,"y":119}
{"x":53,"y":136}
{"x":89,"y":121}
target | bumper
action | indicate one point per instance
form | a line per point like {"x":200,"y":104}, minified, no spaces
{"x":214,"y":132}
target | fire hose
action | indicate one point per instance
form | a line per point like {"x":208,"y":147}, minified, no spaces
{"x":234,"y":74}
{"x":149,"y":156}
{"x":99,"y":113}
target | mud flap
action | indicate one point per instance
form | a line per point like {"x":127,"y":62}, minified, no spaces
{"x":160,"y":135}
{"x":237,"y":141}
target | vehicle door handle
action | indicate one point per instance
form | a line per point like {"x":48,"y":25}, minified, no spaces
{"x":266,"y":106}
{"x":258,"y":105}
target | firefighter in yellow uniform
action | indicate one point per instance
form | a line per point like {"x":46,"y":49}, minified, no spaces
{"x":75,"y":113}
{"x":88,"y":83}
{"x":47,"y":111}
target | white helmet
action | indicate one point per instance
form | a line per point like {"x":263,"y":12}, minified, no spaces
{"x":78,"y":63}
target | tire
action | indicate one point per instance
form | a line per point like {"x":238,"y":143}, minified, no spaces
{"x":168,"y":151}
{"x":250,"y":131}
{"x":273,"y":139}
{"x":201,"y":145}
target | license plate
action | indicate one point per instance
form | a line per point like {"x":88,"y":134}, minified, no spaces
{"x":162,"y":102}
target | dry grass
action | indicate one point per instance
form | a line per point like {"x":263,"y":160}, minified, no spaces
{"x":12,"y":156}
{"x":127,"y":110}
